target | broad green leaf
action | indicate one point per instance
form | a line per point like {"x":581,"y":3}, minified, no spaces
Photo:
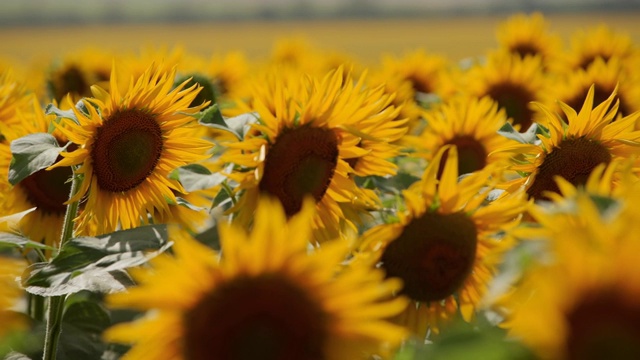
{"x":212,"y":117}
{"x":96,"y":263}
{"x":237,"y":125}
{"x":19,"y":241}
{"x":195,"y":177}
{"x":527,"y":137}
{"x":32,"y":153}
{"x":87,"y":316}
{"x":464,"y":341}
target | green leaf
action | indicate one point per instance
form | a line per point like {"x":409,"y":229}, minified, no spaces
{"x":87,"y":316}
{"x":19,"y":241}
{"x":237,"y":125}
{"x":31,"y":153}
{"x":77,"y":343}
{"x":461,"y":341}
{"x":96,"y":263}
{"x":527,"y":137}
{"x":65,"y":114}
{"x":212,"y":117}
{"x":196,"y":177}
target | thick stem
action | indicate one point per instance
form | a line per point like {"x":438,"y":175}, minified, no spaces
{"x":56,"y":303}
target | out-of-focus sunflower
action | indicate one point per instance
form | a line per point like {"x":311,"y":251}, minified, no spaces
{"x":77,"y":72}
{"x":309,"y":133}
{"x":420,"y":69}
{"x":472,"y":125}
{"x":447,"y":245}
{"x":228,"y":72}
{"x":528,"y":35}
{"x":511,"y":81}
{"x":403,"y":97}
{"x":597,"y":42}
{"x":129,"y":142}
{"x":46,"y":190}
{"x":587,"y":289}
{"x":265,"y":297}
{"x":572,"y":87}
{"x":10,"y":270}
{"x":573,"y":150}
{"x":13,"y":98}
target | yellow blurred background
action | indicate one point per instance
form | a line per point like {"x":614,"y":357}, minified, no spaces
{"x":455,"y":37}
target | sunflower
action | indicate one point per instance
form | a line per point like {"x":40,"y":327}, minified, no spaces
{"x":10,"y":270}
{"x":472,"y":125}
{"x":47,"y":191}
{"x":128,"y":143}
{"x":513,"y":82}
{"x":266,"y":297}
{"x":308,"y":136}
{"x":587,"y":289}
{"x":13,"y":98}
{"x":447,"y":245}
{"x":228,"y":72}
{"x":528,"y":35}
{"x":77,"y":72}
{"x":597,"y":42}
{"x":572,"y":87}
{"x":573,"y":150}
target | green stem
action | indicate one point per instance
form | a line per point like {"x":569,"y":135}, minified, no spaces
{"x":56,"y":303}
{"x":36,"y":307}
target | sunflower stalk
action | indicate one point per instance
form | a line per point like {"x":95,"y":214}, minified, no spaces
{"x":56,"y":303}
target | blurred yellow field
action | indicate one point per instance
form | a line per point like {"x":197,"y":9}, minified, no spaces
{"x":456,"y":38}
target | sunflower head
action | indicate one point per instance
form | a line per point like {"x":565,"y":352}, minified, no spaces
{"x":587,"y":288}
{"x":605,"y":76}
{"x":469,"y":123}
{"x":445,"y":247}
{"x":265,"y":297}
{"x":45,"y":190}
{"x":513,"y":82}
{"x":573,"y":150}
{"x":528,"y":35}
{"x":129,"y":140}
{"x":13,"y":98}
{"x":597,"y":42}
{"x":77,"y":72}
{"x":311,"y":137}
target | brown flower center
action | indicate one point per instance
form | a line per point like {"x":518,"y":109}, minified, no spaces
{"x":471,"y":155}
{"x":433,"y":256}
{"x":264,"y":317}
{"x":525,"y":49}
{"x":600,"y":94}
{"x":514,"y":99}
{"x":574,"y":159}
{"x":420,"y":84}
{"x":126,"y":150}
{"x":301,"y":161}
{"x":604,"y":326}
{"x":587,"y":60}
{"x":48,"y":190}
{"x":73,"y":81}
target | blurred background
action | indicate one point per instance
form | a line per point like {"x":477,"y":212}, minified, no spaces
{"x":362,"y":28}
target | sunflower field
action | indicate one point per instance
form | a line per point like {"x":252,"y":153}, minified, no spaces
{"x":163,"y":205}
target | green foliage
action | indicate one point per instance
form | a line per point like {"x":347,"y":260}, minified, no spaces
{"x":462,"y":341}
{"x":194,"y":177}
{"x":21,"y":242}
{"x":527,"y":137}
{"x":96,"y":263}
{"x":238,"y":125}
{"x":32,"y":153}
